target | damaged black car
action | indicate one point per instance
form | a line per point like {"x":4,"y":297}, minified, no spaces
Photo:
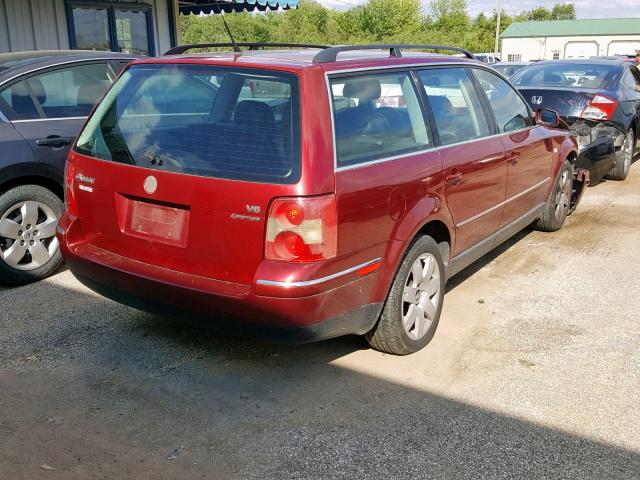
{"x":599,"y":100}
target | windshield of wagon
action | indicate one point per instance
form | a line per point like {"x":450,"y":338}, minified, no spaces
{"x":588,"y":75}
{"x":240,"y":124}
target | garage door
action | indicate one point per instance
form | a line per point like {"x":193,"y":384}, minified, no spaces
{"x":580,"y":49}
{"x":623,"y":48}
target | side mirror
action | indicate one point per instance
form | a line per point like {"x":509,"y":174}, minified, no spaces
{"x":547,"y":118}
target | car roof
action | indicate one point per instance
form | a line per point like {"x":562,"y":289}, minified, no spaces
{"x":515,"y":64}
{"x":594,"y":61}
{"x":303,"y":59}
{"x":18,"y":63}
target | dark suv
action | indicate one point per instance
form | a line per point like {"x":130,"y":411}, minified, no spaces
{"x":309,"y":193}
{"x":45,"y":97}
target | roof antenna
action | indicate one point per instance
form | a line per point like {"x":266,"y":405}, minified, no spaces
{"x":236,"y":47}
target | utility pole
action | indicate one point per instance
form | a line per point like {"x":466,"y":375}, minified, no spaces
{"x":496,"y":49}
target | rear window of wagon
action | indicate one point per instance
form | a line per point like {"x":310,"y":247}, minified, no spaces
{"x":233,"y":123}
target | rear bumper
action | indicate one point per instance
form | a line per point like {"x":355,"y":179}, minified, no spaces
{"x":342,"y":310}
{"x":599,"y":157}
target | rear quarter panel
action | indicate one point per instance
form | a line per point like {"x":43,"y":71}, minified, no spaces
{"x":381,"y":207}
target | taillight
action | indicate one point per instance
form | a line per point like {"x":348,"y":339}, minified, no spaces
{"x":600,"y":108}
{"x":69,"y":196}
{"x":302,"y":229}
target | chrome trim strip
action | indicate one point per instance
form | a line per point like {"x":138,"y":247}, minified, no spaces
{"x":385,"y":159}
{"x":481,"y":214}
{"x":502,"y":204}
{"x":307,"y":283}
{"x":48,"y":119}
{"x":53,"y":67}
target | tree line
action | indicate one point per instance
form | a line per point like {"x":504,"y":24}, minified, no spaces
{"x":395,"y":21}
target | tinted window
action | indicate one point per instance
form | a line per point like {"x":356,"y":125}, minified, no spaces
{"x":200,"y":120}
{"x":70,"y":92}
{"x":91,"y":26}
{"x":376,"y":116}
{"x":509,"y":109}
{"x":18,"y":103}
{"x":590,"y":75}
{"x":131,"y":31}
{"x":455,"y":105}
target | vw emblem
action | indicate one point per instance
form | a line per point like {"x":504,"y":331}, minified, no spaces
{"x":536,"y":100}
{"x":150,"y":184}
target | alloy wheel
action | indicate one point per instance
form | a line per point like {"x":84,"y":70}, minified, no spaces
{"x":562,"y":197}
{"x":28,"y":235}
{"x":421,"y":296}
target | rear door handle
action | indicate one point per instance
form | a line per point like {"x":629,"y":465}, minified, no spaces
{"x":454,"y":178}
{"x":54,"y":141}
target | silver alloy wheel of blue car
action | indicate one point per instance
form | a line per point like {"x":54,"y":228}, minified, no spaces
{"x":28,"y":235}
{"x":627,"y":150}
{"x":421,"y":296}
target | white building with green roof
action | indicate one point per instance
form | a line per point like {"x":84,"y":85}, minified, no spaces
{"x":559,"y":39}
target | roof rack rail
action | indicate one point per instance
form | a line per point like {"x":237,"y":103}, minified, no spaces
{"x":250,"y":46}
{"x":330,"y":54}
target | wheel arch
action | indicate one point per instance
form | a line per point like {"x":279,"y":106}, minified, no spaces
{"x":429,"y":217}
{"x":31,"y":174}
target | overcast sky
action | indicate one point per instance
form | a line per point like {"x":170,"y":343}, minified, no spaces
{"x":584,"y":8}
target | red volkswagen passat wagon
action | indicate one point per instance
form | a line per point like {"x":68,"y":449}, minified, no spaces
{"x":310,"y":193}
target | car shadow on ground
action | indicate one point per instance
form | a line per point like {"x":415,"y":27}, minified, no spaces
{"x":94,"y":389}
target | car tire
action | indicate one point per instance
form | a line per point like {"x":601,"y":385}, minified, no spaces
{"x":558,"y":204}
{"x":29,"y":250}
{"x":624,"y":157}
{"x":405,"y":325}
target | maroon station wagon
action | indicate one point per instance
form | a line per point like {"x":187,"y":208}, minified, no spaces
{"x":310,"y":193}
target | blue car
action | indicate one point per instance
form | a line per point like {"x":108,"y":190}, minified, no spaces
{"x":599,"y":99}
{"x":45,"y":97}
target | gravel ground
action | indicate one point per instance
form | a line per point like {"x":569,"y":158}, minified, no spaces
{"x":533,"y":373}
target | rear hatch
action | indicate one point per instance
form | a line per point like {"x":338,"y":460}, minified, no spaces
{"x":178,"y":164}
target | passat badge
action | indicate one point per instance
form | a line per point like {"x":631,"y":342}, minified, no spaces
{"x":150,"y":184}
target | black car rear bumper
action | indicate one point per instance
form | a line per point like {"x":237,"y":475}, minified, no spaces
{"x":599,"y":157}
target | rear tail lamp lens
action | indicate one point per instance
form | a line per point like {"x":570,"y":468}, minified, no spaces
{"x":600,"y":108}
{"x":302,"y":229}
{"x":69,"y":196}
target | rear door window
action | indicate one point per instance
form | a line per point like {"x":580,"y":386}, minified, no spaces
{"x":18,"y":103}
{"x":455,"y":105}
{"x":211,"y":121}
{"x":510,"y":111}
{"x":376,"y":116}
{"x":71,"y":91}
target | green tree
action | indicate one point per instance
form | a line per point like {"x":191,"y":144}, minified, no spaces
{"x":376,"y":21}
{"x":563,"y":11}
